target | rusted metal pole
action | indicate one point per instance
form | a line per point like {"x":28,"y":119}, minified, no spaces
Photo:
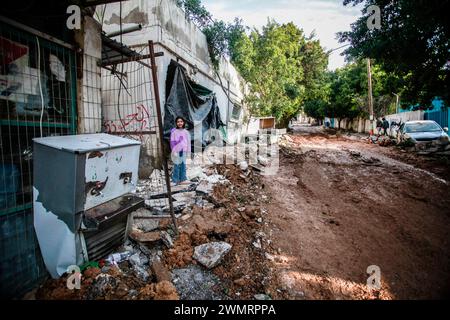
{"x":369,"y":79}
{"x":161,"y":131}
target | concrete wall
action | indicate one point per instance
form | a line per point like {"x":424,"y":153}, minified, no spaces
{"x":406,"y":116}
{"x":165,"y":24}
{"x":363,"y":125}
{"x":358,"y":125}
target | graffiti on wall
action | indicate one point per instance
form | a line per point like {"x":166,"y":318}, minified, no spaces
{"x":138,"y":120}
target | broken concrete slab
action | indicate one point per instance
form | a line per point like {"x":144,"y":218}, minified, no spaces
{"x":188,"y":198}
{"x":140,"y":236}
{"x":211,"y":254}
{"x":161,"y":272}
{"x":141,"y":273}
{"x":195,"y":283}
{"x":186,"y":216}
{"x":138,"y":259}
{"x":194,"y":172}
{"x":146,"y":225}
{"x":166,"y":239}
{"x":216,"y":178}
{"x":204,"y":187}
{"x":208,"y":205}
{"x":261,"y":296}
{"x":159,"y":202}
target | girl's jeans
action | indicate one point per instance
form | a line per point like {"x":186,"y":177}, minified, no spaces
{"x":179,"y":170}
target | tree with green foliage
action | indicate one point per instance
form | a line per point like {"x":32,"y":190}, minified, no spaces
{"x":343,"y":93}
{"x":347,"y":88}
{"x":315,"y":109}
{"x":196,"y":12}
{"x":282,"y":67}
{"x":220,"y":36}
{"x":413,"y":44}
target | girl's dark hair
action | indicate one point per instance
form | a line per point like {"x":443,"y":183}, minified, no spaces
{"x":184,"y":122}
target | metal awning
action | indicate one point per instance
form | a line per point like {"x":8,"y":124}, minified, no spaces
{"x":114,"y":52}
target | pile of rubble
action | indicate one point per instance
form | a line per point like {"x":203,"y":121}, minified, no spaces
{"x":216,"y":253}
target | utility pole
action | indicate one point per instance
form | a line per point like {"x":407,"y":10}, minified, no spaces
{"x":369,"y":77}
{"x":396,"y":102}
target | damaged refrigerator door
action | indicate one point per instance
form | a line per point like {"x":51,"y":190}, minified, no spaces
{"x":73,"y":177}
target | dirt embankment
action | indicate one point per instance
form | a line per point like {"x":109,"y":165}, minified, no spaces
{"x":341,"y":206}
{"x":237,"y":217}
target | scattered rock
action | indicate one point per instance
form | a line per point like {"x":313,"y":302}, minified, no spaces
{"x":186,"y":216}
{"x":240,"y":282}
{"x":167,"y":239}
{"x":146,"y":225}
{"x":195,"y":283}
{"x":138,"y":259}
{"x":204,"y":187}
{"x":105,"y":269}
{"x":252,"y":211}
{"x":165,"y":290}
{"x":263,"y":161}
{"x":187,"y":198}
{"x":102,"y":284}
{"x":195,"y":172}
{"x":210,"y":254}
{"x":261,"y":296}
{"x":257,"y":244}
{"x":208,"y":205}
{"x":156,"y":203}
{"x":160,"y":271}
{"x":269,"y":256}
{"x":132,"y":293}
{"x":145,"y":236}
{"x":141,"y":273}
{"x":243,"y":165}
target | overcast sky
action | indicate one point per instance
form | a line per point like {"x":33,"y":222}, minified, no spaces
{"x":326,"y":17}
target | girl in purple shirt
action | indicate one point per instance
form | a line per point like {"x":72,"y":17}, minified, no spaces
{"x":180,"y":143}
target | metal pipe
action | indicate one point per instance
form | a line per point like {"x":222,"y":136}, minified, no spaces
{"x":120,"y":59}
{"x":124,"y":30}
{"x":161,"y":131}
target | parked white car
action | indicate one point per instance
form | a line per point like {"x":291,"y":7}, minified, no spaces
{"x":424,"y":131}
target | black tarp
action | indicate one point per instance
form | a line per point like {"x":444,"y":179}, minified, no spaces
{"x":193,"y":102}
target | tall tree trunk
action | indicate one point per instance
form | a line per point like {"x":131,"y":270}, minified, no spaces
{"x":282,"y":123}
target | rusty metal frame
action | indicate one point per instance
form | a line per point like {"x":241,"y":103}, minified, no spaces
{"x":133,"y":133}
{"x":161,"y":131}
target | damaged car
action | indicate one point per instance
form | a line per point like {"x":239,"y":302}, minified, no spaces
{"x":423,"y":132}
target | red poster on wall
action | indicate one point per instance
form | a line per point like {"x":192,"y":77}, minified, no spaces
{"x":10,"y":51}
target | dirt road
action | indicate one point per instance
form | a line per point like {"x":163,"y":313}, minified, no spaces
{"x":338,"y":206}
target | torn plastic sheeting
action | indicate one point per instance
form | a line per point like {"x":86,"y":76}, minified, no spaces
{"x":191,"y":101}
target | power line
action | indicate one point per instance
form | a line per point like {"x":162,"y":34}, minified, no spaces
{"x":331,"y":50}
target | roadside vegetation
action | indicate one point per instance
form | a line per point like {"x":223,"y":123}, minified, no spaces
{"x":287,"y":70}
